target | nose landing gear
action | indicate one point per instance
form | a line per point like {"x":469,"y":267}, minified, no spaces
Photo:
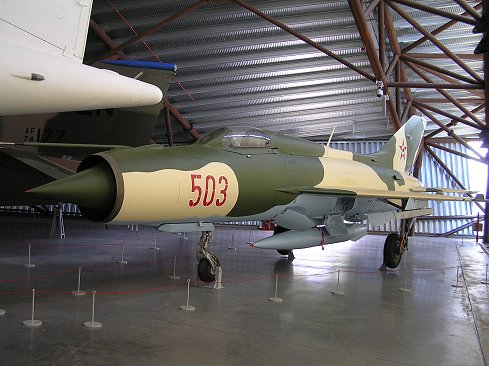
{"x":208,"y":262}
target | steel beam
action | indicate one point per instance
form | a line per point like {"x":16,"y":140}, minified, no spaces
{"x":398,"y":90}
{"x":373,"y":57}
{"x":455,"y":152}
{"x":371,"y":8}
{"x":381,"y":28}
{"x":407,"y":111}
{"x":449,"y":140}
{"x":304,"y":39}
{"x":411,"y":84}
{"x":437,"y":43}
{"x":444,"y":167}
{"x":418,"y":164}
{"x":396,"y":48}
{"x":477,"y":92}
{"x":448,"y":131}
{"x":437,"y":69}
{"x":447,"y":170}
{"x":418,"y":105}
{"x":436,"y":11}
{"x":479,"y":101}
{"x":462,"y":56}
{"x":109,"y":43}
{"x":367,"y":40}
{"x":460,"y":228}
{"x":154,"y":28}
{"x":447,"y":96}
{"x":186,"y":125}
{"x":436,"y":32}
{"x":169,"y":133}
{"x":392,"y":65}
{"x":468,"y":9}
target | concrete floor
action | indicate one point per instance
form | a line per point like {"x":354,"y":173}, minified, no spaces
{"x":372,"y":324}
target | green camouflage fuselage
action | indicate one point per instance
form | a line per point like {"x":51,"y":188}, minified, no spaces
{"x":212,"y":180}
{"x":244,"y":173}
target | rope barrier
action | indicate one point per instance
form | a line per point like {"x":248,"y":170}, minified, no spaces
{"x":37,"y":277}
{"x":134,"y":264}
{"x":157,"y":259}
{"x":86,"y":267}
{"x":126,"y":292}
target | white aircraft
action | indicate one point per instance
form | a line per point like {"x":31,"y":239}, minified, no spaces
{"x":42,"y":44}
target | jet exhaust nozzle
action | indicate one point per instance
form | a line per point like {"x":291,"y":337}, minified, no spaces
{"x":97,"y":188}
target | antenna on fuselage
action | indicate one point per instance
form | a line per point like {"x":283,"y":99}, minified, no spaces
{"x":330,"y":136}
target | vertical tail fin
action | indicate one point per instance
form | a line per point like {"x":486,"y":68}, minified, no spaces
{"x":54,"y":27}
{"x":401,"y":150}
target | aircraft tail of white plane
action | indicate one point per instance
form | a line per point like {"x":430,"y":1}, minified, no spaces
{"x":55,"y":27}
{"x":42,"y":44}
{"x":400,"y":151}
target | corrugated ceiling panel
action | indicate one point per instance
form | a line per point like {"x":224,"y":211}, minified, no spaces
{"x":241,"y":69}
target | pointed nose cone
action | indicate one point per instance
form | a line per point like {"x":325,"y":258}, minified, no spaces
{"x":94,"y":190}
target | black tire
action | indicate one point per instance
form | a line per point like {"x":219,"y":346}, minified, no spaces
{"x":392,"y":251}
{"x":278,"y":230}
{"x":205,"y":271}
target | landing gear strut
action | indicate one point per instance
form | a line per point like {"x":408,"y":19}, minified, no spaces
{"x":396,"y":244}
{"x":208,"y":262}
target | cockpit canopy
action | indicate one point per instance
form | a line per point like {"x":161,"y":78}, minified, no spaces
{"x":239,"y":137}
{"x":246,"y":137}
{"x":251,"y":140}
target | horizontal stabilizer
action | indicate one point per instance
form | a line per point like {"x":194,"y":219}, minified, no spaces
{"x":380,"y":194}
{"x":142,"y":64}
{"x":442,"y":190}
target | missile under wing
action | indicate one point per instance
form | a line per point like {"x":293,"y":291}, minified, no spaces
{"x":42,"y":44}
{"x":317,"y":195}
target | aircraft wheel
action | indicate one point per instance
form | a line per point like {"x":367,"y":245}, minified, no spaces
{"x":393,"y":250}
{"x":205,"y":271}
{"x":283,"y":251}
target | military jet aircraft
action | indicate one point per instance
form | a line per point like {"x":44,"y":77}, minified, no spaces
{"x":315,"y":194}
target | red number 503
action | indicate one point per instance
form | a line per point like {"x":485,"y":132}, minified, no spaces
{"x":208,"y":190}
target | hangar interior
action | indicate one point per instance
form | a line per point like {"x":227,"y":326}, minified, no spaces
{"x":305,"y":69}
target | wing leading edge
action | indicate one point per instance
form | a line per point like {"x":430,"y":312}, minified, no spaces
{"x":437,"y":195}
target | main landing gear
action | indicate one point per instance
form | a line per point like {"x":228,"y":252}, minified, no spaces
{"x":396,"y":244}
{"x":208,"y":262}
